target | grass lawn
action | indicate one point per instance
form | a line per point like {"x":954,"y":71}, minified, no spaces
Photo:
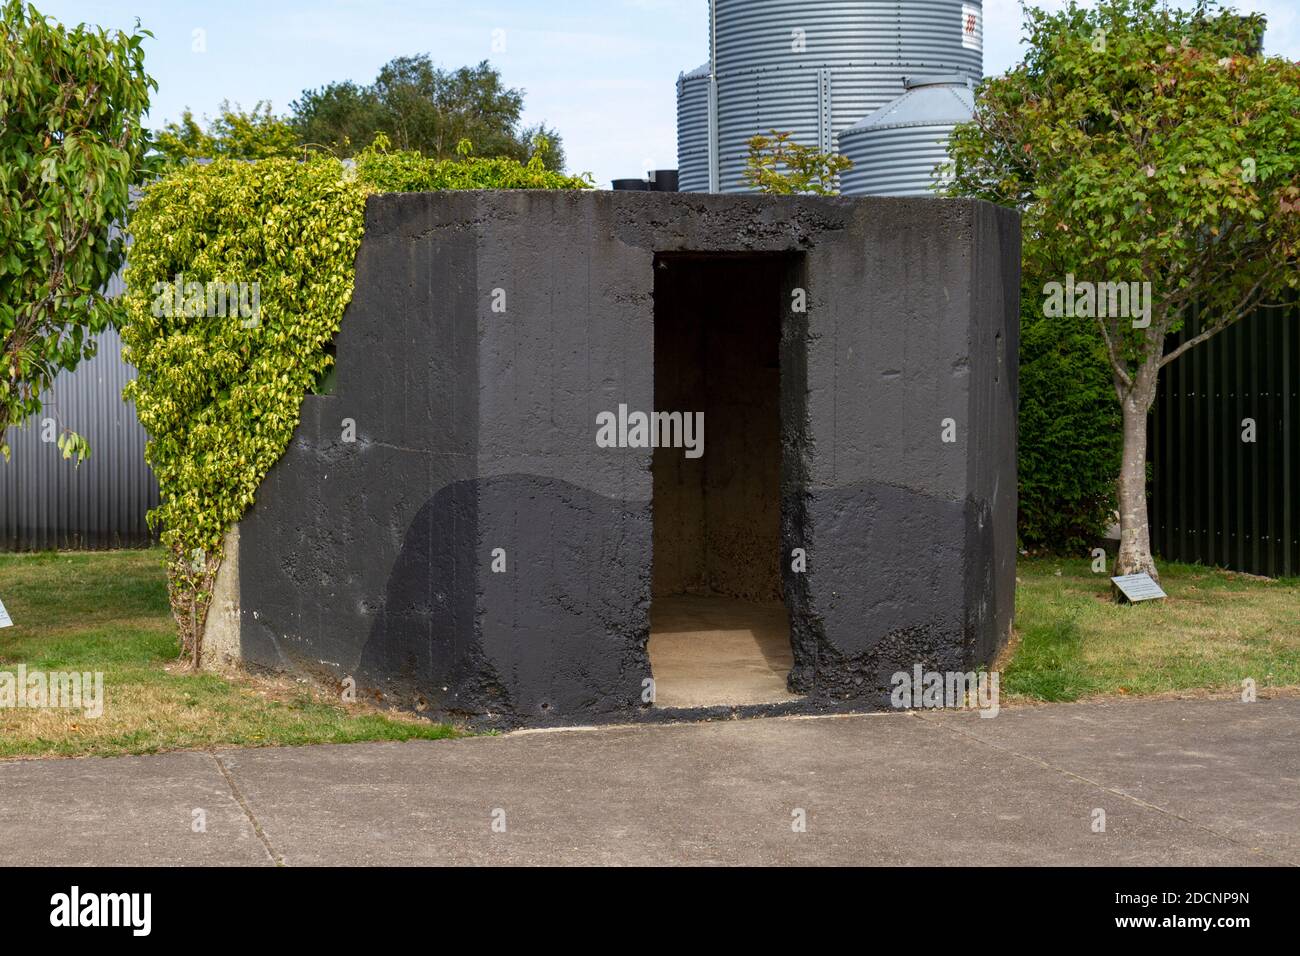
{"x":108,"y":612}
{"x":1216,"y":629}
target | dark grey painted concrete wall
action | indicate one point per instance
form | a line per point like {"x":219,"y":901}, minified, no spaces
{"x":476,"y":431}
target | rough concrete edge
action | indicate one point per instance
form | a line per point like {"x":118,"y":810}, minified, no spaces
{"x":1006,"y":224}
{"x":221,"y":645}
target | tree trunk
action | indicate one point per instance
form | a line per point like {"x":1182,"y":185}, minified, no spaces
{"x":1134,"y":525}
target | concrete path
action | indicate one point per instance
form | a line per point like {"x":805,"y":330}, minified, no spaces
{"x":1181,"y":782}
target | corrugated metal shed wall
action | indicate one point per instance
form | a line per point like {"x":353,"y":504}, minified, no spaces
{"x":1216,"y":499}
{"x":46,"y":502}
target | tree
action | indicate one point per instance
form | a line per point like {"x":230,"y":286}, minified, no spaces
{"x":71,"y":146}
{"x":342,"y":117}
{"x":544,"y":144}
{"x":780,"y":166}
{"x":234,"y":134}
{"x":422,"y":108}
{"x":1153,"y":155}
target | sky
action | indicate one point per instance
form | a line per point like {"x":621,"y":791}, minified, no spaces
{"x":602,"y":72}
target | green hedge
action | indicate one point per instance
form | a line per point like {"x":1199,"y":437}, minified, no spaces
{"x":406,"y":172}
{"x":1070,"y":431}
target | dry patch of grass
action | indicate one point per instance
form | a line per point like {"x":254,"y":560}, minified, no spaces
{"x":1216,"y":629}
{"x":107,"y":612}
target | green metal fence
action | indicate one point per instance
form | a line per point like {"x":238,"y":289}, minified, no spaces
{"x":1218,"y":497}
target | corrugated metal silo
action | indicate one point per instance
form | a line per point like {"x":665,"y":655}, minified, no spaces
{"x":897,"y":149}
{"x":816,"y":67}
{"x":693,"y":130}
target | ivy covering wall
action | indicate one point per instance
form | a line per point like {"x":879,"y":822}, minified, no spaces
{"x":238,"y":278}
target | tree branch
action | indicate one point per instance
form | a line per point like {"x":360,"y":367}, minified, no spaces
{"x":1117,"y":363}
{"x":1222,"y":323}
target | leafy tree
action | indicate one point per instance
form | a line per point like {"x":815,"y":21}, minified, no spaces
{"x":71,"y":146}
{"x":1144,"y":145}
{"x":780,"y":166}
{"x":341,"y":117}
{"x":544,"y":144}
{"x":420,"y":107}
{"x":234,"y":134}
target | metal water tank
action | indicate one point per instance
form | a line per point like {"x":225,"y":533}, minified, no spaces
{"x":899,"y":149}
{"x":693,"y":130}
{"x":816,"y":67}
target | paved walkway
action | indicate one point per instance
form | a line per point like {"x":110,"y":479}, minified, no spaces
{"x":1181,"y":782}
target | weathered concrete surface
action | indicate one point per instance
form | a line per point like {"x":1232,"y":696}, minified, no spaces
{"x":714,"y":650}
{"x":1182,"y":782}
{"x":487,"y":332}
{"x":1243,"y":755}
{"x":131,"y":810}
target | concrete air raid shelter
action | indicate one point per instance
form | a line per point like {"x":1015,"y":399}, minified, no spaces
{"x":595,"y":456}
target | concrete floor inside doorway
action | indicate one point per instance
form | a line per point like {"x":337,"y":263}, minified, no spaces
{"x":707,"y":651}
{"x":719,"y":630}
